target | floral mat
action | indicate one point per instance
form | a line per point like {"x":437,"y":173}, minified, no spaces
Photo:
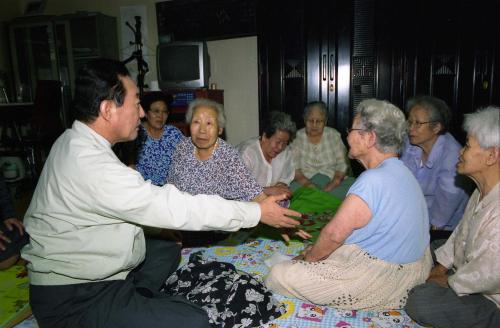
{"x":249,"y":256}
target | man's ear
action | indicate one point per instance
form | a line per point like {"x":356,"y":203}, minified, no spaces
{"x":106,"y":109}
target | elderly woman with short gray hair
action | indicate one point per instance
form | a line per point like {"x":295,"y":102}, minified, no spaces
{"x":376,"y":247}
{"x":206,"y":164}
{"x":431,"y":154}
{"x":319,"y":153}
{"x":268,"y":157}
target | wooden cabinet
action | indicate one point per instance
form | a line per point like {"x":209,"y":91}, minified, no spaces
{"x":447,"y":49}
{"x":304,"y":56}
{"x":328,"y":45}
{"x":342,"y":52}
{"x":282,"y":57}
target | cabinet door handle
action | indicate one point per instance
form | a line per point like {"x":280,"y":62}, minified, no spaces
{"x":332,"y":68}
{"x":324,"y":63}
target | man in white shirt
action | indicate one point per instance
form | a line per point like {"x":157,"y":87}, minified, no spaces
{"x":89,"y":263}
{"x":268,"y":157}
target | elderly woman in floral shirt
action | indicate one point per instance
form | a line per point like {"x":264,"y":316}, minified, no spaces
{"x":206,"y":164}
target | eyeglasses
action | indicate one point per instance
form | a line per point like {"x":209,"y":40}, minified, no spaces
{"x":349,"y":130}
{"x":417,"y":124}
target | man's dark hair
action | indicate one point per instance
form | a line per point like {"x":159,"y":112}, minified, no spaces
{"x":98,"y":80}
{"x":154,"y":96}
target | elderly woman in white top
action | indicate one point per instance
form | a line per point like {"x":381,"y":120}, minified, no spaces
{"x":463,"y":289}
{"x":376,"y":247}
{"x":319,"y":153}
{"x":268,"y":157}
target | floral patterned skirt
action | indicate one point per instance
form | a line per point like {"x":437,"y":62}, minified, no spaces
{"x":230,"y":297}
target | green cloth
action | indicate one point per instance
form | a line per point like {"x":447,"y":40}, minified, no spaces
{"x":313,"y":201}
{"x":321,"y":180}
{"x":317,"y":208}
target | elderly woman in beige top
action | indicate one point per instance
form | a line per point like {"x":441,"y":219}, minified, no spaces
{"x":463,"y":289}
{"x":319,"y":153}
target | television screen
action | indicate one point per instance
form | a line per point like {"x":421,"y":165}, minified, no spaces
{"x":182,"y":64}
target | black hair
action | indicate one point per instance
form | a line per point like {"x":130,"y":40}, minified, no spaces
{"x":154,"y":96}
{"x":96,"y":81}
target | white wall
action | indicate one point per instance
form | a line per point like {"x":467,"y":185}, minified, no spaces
{"x":233,"y":64}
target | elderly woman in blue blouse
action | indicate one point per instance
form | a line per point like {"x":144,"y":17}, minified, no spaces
{"x":376,"y":247}
{"x":156,"y":141}
{"x":206,"y":164}
{"x":431,"y":154}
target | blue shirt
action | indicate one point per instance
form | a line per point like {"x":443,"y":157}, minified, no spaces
{"x":155,"y":155}
{"x":398,"y":231}
{"x":444,"y":189}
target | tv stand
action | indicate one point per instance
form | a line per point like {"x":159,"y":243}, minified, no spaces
{"x":181,"y":98}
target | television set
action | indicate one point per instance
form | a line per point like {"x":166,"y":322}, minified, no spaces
{"x":183,"y":64}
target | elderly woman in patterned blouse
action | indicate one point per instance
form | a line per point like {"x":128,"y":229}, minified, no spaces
{"x":463,"y":289}
{"x":206,"y":164}
{"x":319,"y":153}
{"x":156,"y":141}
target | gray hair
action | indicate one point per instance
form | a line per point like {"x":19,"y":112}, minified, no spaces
{"x":203,"y":102}
{"x":484,"y":125}
{"x":387,"y":121}
{"x":316,"y":104}
{"x":437,"y":109}
{"x":278,"y":121}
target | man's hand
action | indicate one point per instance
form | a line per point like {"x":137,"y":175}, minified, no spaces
{"x":10,"y":223}
{"x":276,"y":216}
{"x":3,"y":240}
{"x":13,"y":222}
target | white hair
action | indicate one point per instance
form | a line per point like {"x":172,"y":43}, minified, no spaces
{"x":387,"y":121}
{"x":484,"y":125}
{"x":203,"y":102}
